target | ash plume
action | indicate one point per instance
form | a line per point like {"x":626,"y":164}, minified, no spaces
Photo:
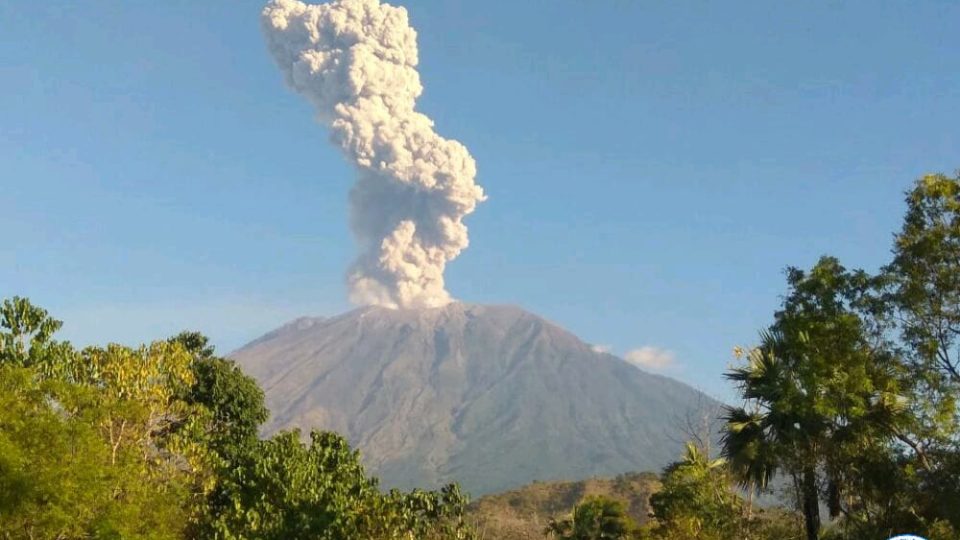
{"x":355,"y":61}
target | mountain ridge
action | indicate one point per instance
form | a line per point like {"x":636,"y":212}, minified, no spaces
{"x":492,"y":396}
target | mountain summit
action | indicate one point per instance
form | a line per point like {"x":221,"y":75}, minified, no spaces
{"x":490,"y":396}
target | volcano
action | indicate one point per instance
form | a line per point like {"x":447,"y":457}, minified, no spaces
{"x":492,"y":397}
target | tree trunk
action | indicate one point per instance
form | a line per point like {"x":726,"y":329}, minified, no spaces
{"x":811,"y":503}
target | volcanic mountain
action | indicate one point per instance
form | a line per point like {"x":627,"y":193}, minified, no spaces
{"x":490,"y":396}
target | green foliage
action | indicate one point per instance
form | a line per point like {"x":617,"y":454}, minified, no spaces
{"x":819,"y":393}
{"x":595,"y":518}
{"x":195,"y":343}
{"x":27,"y":336}
{"x":697,"y":502}
{"x":28,"y":331}
{"x":59,"y":477}
{"x":286,"y":489}
{"x":921,"y":302}
{"x":97,"y":439}
{"x":855,"y":418}
{"x":925,"y":274}
{"x":233,"y":399}
{"x":923,"y":294}
{"x":160,"y":441}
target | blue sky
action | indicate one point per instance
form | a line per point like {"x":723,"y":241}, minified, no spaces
{"x":652,"y":166}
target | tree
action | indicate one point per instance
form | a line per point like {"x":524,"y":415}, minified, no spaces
{"x":59,"y":477}
{"x":27,"y":336}
{"x":195,"y":343}
{"x":160,"y":442}
{"x":233,"y":399}
{"x":925,"y":275}
{"x":144,"y":457}
{"x":595,"y":518}
{"x":923,"y":290}
{"x":696,"y":500}
{"x":285,"y":489}
{"x":922,"y":293}
{"x":140,"y":390}
{"x":818,"y":392}
{"x":233,"y":412}
{"x":28,"y":330}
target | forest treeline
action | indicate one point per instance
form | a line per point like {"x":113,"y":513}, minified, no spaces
{"x":161,"y":442}
{"x":849,"y":405}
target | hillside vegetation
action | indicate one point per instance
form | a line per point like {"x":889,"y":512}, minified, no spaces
{"x":524,"y":513}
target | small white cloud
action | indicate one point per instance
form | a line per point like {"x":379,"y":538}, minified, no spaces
{"x":649,"y":357}
{"x":602,"y":349}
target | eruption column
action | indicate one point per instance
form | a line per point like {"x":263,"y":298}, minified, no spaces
{"x":355,"y":61}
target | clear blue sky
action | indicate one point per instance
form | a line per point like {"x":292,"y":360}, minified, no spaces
{"x":652,"y":166}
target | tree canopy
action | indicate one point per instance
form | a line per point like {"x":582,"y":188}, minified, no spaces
{"x":161,"y":441}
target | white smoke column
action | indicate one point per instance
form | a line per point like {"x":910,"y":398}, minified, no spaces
{"x":355,"y":60}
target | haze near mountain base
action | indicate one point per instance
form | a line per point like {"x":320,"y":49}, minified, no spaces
{"x":355,"y":61}
{"x":492,"y":397}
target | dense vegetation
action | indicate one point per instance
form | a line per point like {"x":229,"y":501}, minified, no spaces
{"x":849,"y":404}
{"x":850,"y":401}
{"x":851,"y":397}
{"x":161,"y":442}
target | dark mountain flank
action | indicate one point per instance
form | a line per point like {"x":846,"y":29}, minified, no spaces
{"x":493,"y":397}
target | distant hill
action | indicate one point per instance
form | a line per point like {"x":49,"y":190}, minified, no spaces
{"x":491,"y":396}
{"x":522,"y":514}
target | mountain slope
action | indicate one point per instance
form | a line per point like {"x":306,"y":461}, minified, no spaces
{"x":491,"y":396}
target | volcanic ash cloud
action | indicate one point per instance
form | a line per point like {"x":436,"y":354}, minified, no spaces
{"x":355,"y":60}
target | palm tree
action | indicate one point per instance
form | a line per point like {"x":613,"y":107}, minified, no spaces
{"x":750,"y":437}
{"x":777,"y":434}
{"x":821,"y":390}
